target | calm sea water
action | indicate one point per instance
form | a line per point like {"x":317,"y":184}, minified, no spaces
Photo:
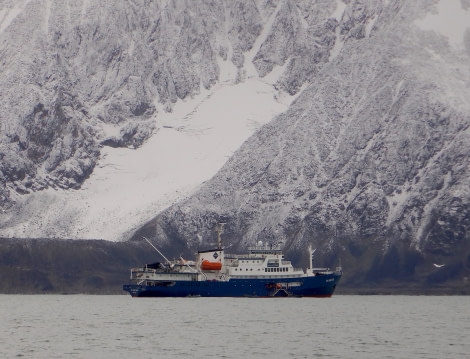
{"x":83,"y":326}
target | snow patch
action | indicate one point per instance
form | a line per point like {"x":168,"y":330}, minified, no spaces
{"x":249,"y":56}
{"x":7,"y":15}
{"x":451,"y":21}
{"x":396,"y":204}
{"x":85,"y":6}
{"x":129,"y":187}
{"x":427,"y":210}
{"x":110,"y":130}
{"x":47,"y":16}
{"x":339,"y":43}
{"x":227,"y":70}
{"x":340,"y":7}
{"x":370,"y":25}
{"x":275,"y":73}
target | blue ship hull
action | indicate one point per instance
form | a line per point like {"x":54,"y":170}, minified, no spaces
{"x":308,"y":286}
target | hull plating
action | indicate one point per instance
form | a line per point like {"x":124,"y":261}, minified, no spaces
{"x":318,"y":286}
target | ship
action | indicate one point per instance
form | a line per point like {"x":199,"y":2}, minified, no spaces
{"x":262,"y":272}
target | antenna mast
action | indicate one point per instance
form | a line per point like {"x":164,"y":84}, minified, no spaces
{"x":310,"y":254}
{"x":219,"y":229}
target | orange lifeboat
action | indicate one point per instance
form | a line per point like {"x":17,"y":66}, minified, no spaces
{"x":208,"y":265}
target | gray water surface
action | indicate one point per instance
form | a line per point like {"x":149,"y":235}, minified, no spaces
{"x":84,"y":326}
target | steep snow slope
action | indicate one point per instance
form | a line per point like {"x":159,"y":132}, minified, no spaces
{"x":129,"y":186}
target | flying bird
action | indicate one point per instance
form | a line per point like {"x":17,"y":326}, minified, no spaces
{"x":438,"y":265}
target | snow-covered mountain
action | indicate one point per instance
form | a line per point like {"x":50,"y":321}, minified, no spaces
{"x":131,"y":105}
{"x":374,"y":153}
{"x":342,"y":123}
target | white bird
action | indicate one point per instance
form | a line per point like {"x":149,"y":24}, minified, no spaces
{"x":438,"y":265}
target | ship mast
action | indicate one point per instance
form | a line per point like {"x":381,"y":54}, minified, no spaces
{"x":219,"y":229}
{"x":310,"y":255}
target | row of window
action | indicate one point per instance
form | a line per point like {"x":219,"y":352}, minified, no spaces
{"x":282,"y":269}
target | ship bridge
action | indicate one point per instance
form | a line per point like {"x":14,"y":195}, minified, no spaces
{"x":265,"y":250}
